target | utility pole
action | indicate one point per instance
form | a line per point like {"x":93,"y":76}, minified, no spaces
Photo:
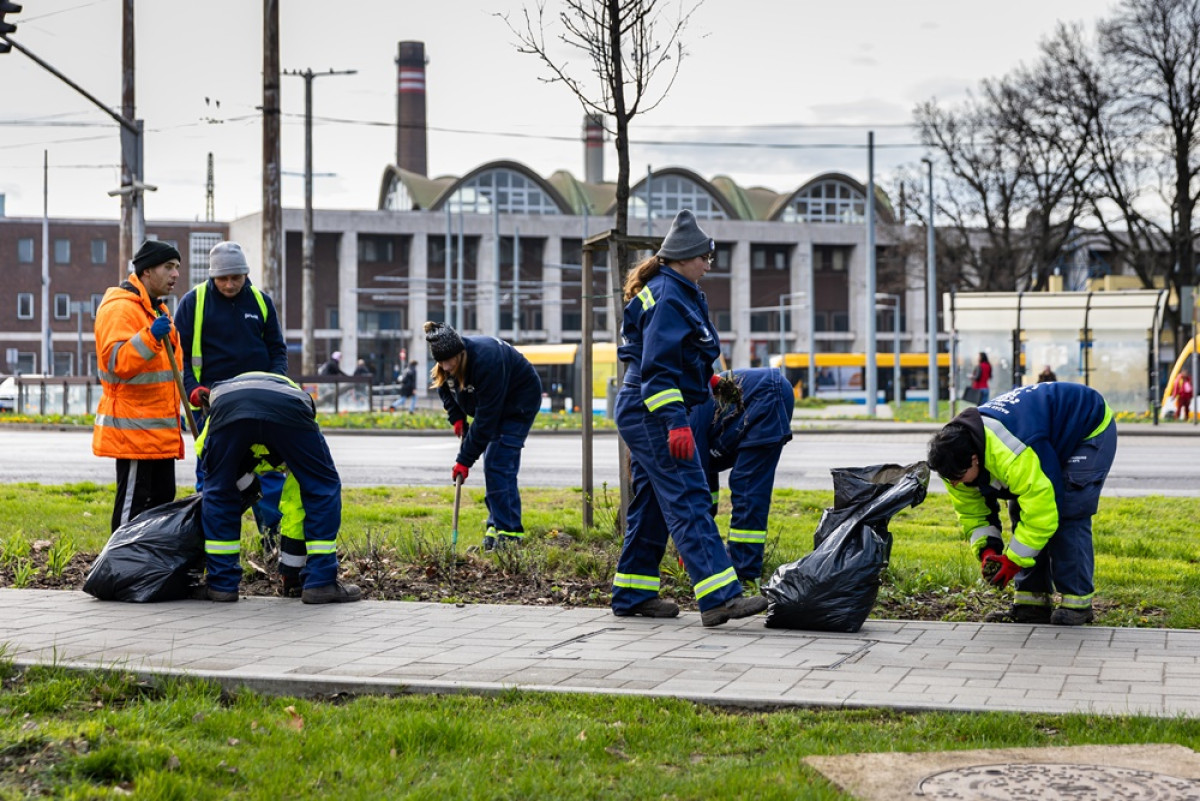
{"x":272,"y":208}
{"x":131,"y":152}
{"x":308,"y":292}
{"x":209,"y":210}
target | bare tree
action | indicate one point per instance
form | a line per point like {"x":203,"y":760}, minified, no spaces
{"x":625,"y":43}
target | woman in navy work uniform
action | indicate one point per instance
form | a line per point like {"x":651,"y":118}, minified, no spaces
{"x":747,"y":439}
{"x":668,"y":347}
{"x":487,"y":380}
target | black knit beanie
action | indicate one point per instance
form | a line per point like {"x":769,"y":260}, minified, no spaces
{"x":153,"y":253}
{"x":444,"y":341}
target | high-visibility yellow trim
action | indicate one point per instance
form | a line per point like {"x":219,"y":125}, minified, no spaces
{"x":222,"y":546}
{"x":742,"y":535}
{"x":633,"y":581}
{"x":713,"y":583}
{"x":660,"y":399}
{"x":647,"y":298}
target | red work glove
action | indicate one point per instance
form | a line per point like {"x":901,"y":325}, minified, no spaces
{"x":1008,"y":570}
{"x":987,"y":567}
{"x":198,"y":396}
{"x":460,"y":427}
{"x":712,"y":382}
{"x":681,"y":443}
{"x":458,"y":472}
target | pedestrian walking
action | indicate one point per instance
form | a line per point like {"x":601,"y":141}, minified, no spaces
{"x":1182,"y":390}
{"x":257,"y":420}
{"x":743,"y":430}
{"x":490,"y":382}
{"x":1047,"y":374}
{"x":669,"y":349}
{"x":332,"y":366}
{"x":981,"y":379}
{"x":228,"y":326}
{"x":1048,"y":446}
{"x":137,"y":352}
{"x":408,"y":387}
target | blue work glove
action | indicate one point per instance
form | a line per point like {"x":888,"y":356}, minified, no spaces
{"x":160,"y":328}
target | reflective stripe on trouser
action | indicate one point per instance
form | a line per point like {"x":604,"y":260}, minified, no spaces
{"x":1067,"y":563}
{"x":750,"y":483}
{"x":501,"y":463}
{"x":308,"y":458}
{"x":682,"y":515}
{"x":1032,"y":599}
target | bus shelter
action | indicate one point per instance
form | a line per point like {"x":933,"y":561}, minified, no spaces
{"x":1105,"y":340}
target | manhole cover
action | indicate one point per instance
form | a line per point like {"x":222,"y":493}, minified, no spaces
{"x":1056,"y":782}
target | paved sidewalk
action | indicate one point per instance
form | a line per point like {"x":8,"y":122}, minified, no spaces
{"x":284,"y":647}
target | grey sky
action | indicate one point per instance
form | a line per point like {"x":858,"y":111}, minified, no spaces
{"x":755,"y":66}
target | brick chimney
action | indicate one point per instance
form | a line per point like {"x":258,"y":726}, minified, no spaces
{"x":411,"y":151}
{"x":593,"y":148}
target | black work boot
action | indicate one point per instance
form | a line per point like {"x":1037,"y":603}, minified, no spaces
{"x":743,"y":606}
{"x":220,"y":596}
{"x":1064,"y":616}
{"x":1020,"y":613}
{"x":507,"y":541}
{"x":335,"y":593}
{"x":292,"y":586}
{"x":489,"y":539}
{"x":652,"y":607}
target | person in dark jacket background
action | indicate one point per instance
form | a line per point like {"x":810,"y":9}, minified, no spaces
{"x":1049,"y":446}
{"x":491,"y":394}
{"x":227,"y":326}
{"x":668,"y":347}
{"x":746,"y":437}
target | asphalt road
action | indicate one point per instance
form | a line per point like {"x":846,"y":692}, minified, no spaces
{"x":1145,"y":464}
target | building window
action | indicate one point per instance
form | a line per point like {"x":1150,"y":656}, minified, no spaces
{"x":99,"y":251}
{"x":24,"y":305}
{"x":376,"y":249}
{"x":198,"y":247}
{"x":827,"y":202}
{"x":512,"y":191}
{"x":670,"y":194}
{"x":62,"y":251}
{"x":96,"y":298}
{"x":25,"y":250}
{"x":62,"y":306}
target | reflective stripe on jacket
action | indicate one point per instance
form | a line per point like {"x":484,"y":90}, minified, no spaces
{"x":138,"y":414}
{"x":669,"y":346}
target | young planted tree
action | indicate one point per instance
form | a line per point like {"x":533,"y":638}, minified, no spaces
{"x":626,"y":44}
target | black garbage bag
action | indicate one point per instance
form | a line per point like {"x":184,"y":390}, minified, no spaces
{"x":157,"y":556}
{"x":834,"y":587}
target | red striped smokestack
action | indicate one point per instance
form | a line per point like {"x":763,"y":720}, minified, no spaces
{"x":593,"y":149}
{"x":410,"y":108}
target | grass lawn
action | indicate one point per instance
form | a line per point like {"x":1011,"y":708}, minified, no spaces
{"x":107,"y":735}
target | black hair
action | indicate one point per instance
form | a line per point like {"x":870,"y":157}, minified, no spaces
{"x":950,"y":451}
{"x":983,"y":358}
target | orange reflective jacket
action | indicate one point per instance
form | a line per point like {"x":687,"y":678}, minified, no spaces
{"x":138,"y":416}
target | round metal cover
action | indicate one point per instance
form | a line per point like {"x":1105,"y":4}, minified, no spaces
{"x":1054,"y":782}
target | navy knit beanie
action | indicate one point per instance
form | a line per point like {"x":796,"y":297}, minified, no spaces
{"x":444,"y":341}
{"x":153,"y":253}
{"x":685,"y":240}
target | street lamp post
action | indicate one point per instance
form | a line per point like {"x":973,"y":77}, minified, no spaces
{"x":931,"y":286}
{"x":895,"y":307}
{"x":77,"y":308}
{"x":783,"y":309}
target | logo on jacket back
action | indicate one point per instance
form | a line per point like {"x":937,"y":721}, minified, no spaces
{"x":249,"y":316}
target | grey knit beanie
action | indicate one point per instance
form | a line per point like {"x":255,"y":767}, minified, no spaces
{"x":685,"y":240}
{"x":227,"y":258}
{"x":444,"y":341}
